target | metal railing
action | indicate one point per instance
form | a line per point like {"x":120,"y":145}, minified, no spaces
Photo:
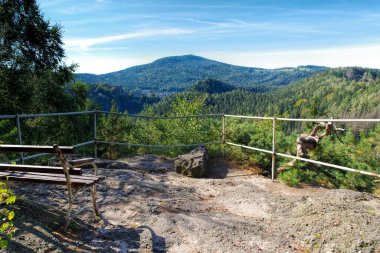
{"x":223,"y":141}
{"x":95,"y":140}
{"x":274,"y":153}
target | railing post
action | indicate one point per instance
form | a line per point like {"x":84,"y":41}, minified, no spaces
{"x":19,"y":136}
{"x":274,"y":149}
{"x":223,"y":130}
{"x":223,"y":134}
{"x":95,"y":138}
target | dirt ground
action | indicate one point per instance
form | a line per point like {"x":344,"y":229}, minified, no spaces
{"x":146,"y":207}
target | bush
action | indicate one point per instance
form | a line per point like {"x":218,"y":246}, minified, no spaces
{"x":6,"y":216}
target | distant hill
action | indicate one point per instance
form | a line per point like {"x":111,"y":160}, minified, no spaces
{"x":211,"y":86}
{"x":340,"y":93}
{"x":177,"y":73}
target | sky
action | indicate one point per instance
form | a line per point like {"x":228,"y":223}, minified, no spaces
{"x":102,"y":36}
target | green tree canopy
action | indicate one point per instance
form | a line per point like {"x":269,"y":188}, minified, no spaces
{"x":31,"y":60}
{"x":210,"y":85}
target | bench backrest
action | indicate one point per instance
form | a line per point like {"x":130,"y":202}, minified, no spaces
{"x":37,"y":149}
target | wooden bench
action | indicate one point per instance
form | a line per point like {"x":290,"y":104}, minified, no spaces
{"x":69,"y":174}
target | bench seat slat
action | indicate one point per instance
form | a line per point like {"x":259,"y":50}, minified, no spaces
{"x":37,"y":168}
{"x":37,"y":149}
{"x":47,"y":178}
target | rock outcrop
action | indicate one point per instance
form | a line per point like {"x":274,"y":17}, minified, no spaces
{"x":193,"y":164}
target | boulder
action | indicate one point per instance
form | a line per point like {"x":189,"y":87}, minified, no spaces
{"x":193,"y":164}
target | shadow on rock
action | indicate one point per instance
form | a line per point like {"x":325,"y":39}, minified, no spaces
{"x":121,"y":239}
{"x":217,"y":168}
{"x":39,"y":226}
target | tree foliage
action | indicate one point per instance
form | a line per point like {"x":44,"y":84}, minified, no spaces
{"x":211,"y":86}
{"x":132,"y":101}
{"x":6,"y":216}
{"x":114,"y":128}
{"x":32,"y":70}
{"x":33,"y":78}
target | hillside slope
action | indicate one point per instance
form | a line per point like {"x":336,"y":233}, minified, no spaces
{"x":339,"y":93}
{"x":179,"y":72}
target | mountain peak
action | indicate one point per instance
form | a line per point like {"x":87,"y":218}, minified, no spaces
{"x":180,"y":58}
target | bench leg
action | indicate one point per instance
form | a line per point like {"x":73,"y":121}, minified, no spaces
{"x":61,"y":158}
{"x":93,"y":191}
{"x":93,"y":195}
{"x":68,"y":215}
{"x":95,"y":168}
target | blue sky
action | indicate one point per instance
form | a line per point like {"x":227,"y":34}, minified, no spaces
{"x":109,"y":35}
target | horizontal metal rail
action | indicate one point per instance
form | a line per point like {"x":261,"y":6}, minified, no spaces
{"x":330,"y":165}
{"x":8,"y":116}
{"x":329,"y":120}
{"x":105,"y":112}
{"x":302,"y":120}
{"x":248,"y":147}
{"x":161,"y":117}
{"x":248,"y":117}
{"x":307,"y":160}
{"x":54,"y":114}
{"x":30,"y":157}
{"x":157,"y":146}
{"x":84,"y":144}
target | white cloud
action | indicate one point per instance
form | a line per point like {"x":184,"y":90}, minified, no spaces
{"x":237,"y":25}
{"x":365,"y":56}
{"x":105,"y":64}
{"x":86,"y":43}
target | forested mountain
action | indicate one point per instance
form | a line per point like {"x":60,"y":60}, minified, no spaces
{"x":180,"y":72}
{"x":339,"y":93}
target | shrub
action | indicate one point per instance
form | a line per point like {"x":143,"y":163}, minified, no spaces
{"x":6,"y":216}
